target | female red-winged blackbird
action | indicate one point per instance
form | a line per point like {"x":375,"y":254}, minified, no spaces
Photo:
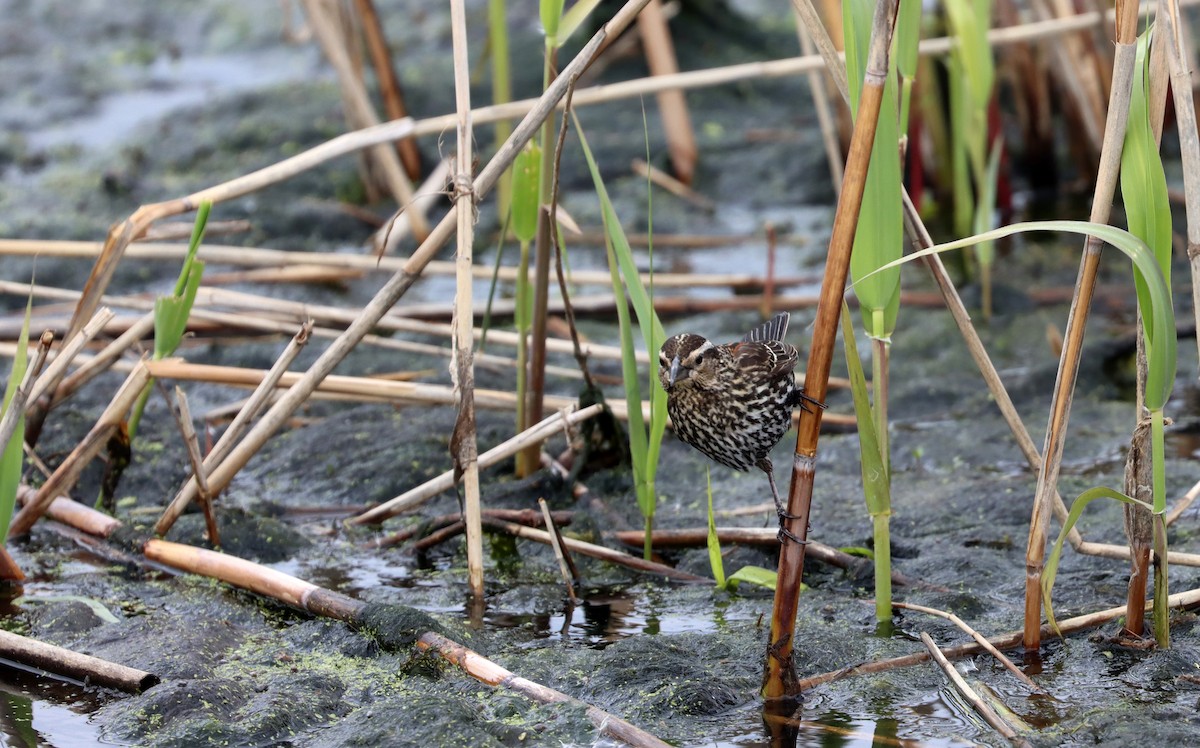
{"x":734,"y":402}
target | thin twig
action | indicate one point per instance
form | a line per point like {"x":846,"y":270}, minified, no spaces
{"x":183,"y":417}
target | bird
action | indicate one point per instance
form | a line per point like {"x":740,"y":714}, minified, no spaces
{"x":733,"y":402}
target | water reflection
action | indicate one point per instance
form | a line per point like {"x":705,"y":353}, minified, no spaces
{"x":36,"y":711}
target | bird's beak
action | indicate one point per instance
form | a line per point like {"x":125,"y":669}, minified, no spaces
{"x":673,"y":372}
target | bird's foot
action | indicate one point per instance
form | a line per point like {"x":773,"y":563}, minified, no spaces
{"x":786,"y":534}
{"x":804,"y":401}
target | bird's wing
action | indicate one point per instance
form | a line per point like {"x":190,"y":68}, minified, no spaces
{"x":774,"y":357}
{"x":773,"y":329}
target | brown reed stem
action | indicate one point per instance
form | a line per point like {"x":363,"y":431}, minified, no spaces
{"x":389,"y":84}
{"x":80,"y":667}
{"x":779,"y":679}
{"x":1068,"y":366}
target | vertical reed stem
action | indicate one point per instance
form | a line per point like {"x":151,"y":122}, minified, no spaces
{"x":779,"y":679}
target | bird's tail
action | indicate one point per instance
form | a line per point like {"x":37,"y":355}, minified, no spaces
{"x":773,"y":329}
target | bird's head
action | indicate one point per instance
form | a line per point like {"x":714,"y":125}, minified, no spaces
{"x":688,"y":361}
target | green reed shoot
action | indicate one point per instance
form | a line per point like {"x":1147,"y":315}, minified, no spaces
{"x":1159,"y":324}
{"x":171,"y":312}
{"x":1148,"y":212}
{"x":645,"y":440}
{"x":876,"y":476}
{"x":524,"y":220}
{"x":714,"y":543}
{"x":12,"y":456}
{"x":972,"y":74}
{"x":501,"y":87}
{"x":878,"y":241}
{"x":908,"y":35}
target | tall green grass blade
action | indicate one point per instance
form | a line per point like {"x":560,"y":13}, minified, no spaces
{"x":908,"y":36}
{"x":959,"y":113}
{"x":13,"y":452}
{"x":1162,"y":352}
{"x":1143,"y":181}
{"x":644,"y":442}
{"x":969,"y":22}
{"x":525,"y":198}
{"x":1073,"y":516}
{"x":714,"y":543}
{"x":501,"y":90}
{"x":880,"y":234}
{"x":876,"y":484}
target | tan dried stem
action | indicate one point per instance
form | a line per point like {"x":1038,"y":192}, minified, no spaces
{"x":41,"y":656}
{"x":560,"y":553}
{"x":779,"y":680}
{"x":389,"y":83}
{"x":1068,"y":367}
{"x":463,"y":446}
{"x":183,"y":418}
{"x":659,"y":51}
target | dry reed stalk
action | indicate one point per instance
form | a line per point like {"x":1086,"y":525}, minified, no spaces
{"x":983,"y":642}
{"x":672,"y":185}
{"x":1077,"y":76}
{"x":486,"y":671}
{"x":960,"y":684}
{"x":1183,"y":600}
{"x":825,"y":119}
{"x":439,"y":536}
{"x":279,"y":258}
{"x":389,"y":83}
{"x":1183,"y":503}
{"x":183,"y":417}
{"x":597,"y":551}
{"x":193,"y":488}
{"x":779,"y":680}
{"x":69,"y":512}
{"x":1189,"y":141}
{"x":399,"y":283}
{"x":55,"y":371}
{"x":659,"y":51}
{"x":80,"y":667}
{"x":464,"y":449}
{"x":180,"y":230}
{"x":1068,"y":368}
{"x":68,"y":472}
{"x":9,"y":571}
{"x":359,"y":110}
{"x":569,"y":574}
{"x":529,"y":517}
{"x":311,"y":274}
{"x":444,"y":482}
{"x":101,"y":362}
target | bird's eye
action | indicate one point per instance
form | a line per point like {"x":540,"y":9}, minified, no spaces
{"x":699,"y":359}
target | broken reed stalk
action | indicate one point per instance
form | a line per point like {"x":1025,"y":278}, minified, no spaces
{"x":224,"y":445}
{"x":659,"y":52}
{"x":1068,"y":366}
{"x":529,"y":517}
{"x":983,"y":642}
{"x":806,"y":17}
{"x":463,"y":443}
{"x":80,"y":667}
{"x":981,"y":707}
{"x":74,"y":343}
{"x":1183,"y":600}
{"x":444,"y":482}
{"x":489,"y":672}
{"x":359,"y":110}
{"x":389,"y":84}
{"x":569,"y":574}
{"x":779,"y":679}
{"x":597,"y":551}
{"x":1189,"y":140}
{"x":20,"y":396}
{"x":63,"y":478}
{"x":399,"y":283}
{"x":183,"y":417}
{"x":394,"y":229}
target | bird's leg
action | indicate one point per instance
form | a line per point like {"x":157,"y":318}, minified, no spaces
{"x":769,"y":469}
